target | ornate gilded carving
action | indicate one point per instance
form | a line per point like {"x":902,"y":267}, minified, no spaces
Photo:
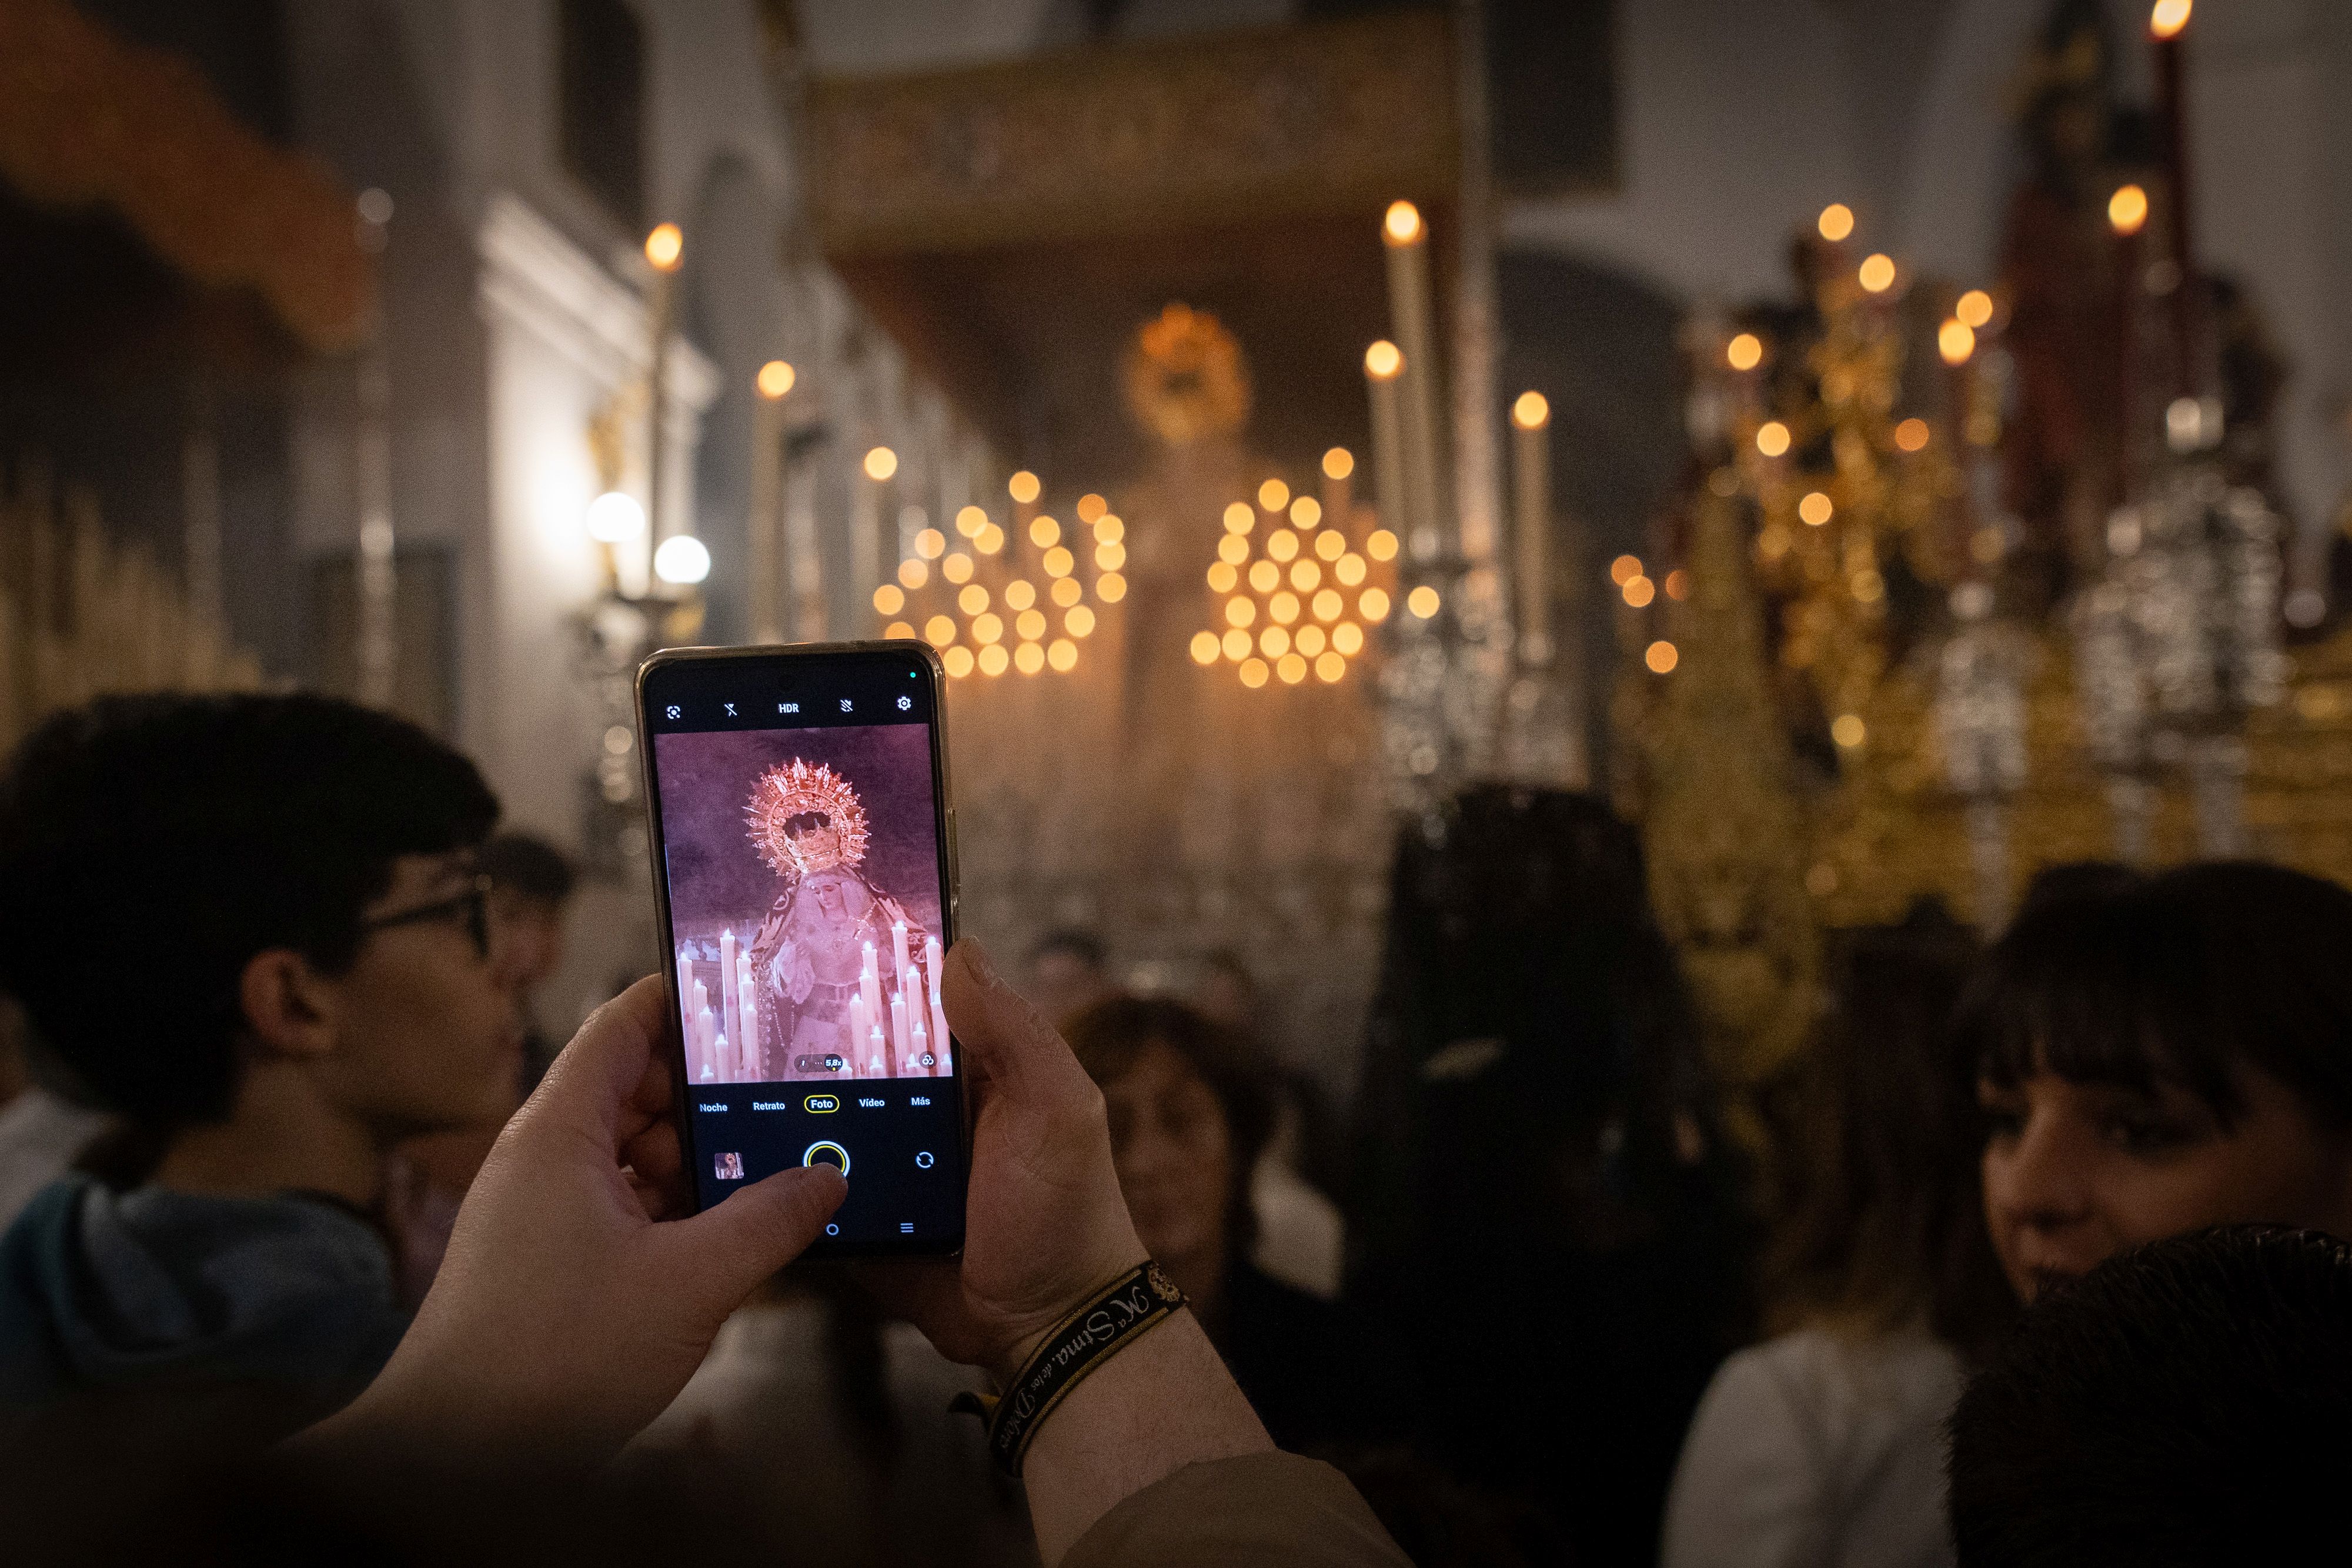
{"x":1154,"y":137}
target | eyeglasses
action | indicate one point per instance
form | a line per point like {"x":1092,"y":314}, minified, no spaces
{"x":471,"y":906}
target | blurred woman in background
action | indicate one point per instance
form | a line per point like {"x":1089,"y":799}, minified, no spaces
{"x":1823,"y":1445}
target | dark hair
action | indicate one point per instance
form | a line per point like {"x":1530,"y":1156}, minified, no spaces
{"x":1888,"y":1222}
{"x":2183,"y":1402}
{"x":1083,"y":945}
{"x":529,"y":867}
{"x":150,"y":846}
{"x":1109,"y":1036}
{"x":2189,"y":978}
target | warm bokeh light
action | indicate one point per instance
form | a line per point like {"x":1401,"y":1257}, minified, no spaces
{"x":1236,"y":645}
{"x":2169,"y":17}
{"x":888,"y":600}
{"x":988,"y":628}
{"x":1678,"y":584}
{"x":1232,"y":549}
{"x":666,"y":247}
{"x":1031,"y":658}
{"x":1349,"y":569}
{"x":990,"y":541}
{"x":1531,"y":411}
{"x":1079,"y":621}
{"x":930,"y":544}
{"x":913,"y":574}
{"x":1876,"y":273}
{"x":898,"y":630}
{"x":1849,"y":731}
{"x":1066,"y":592}
{"x":1204,"y":647}
{"x":1423,"y":601}
{"x":1868,"y":586}
{"x":1660,"y":657}
{"x":1639,"y":591}
{"x":1240,"y":518}
{"x":1110,"y":588}
{"x":1291,"y":668}
{"x":973,"y":599}
{"x":1836,"y":222}
{"x":1372,"y":604}
{"x":1063,"y":655}
{"x":1090,"y":506}
{"x":1816,"y":508}
{"x":1109,"y":529}
{"x":1019,"y":595}
{"x":1401,"y":225}
{"x":1330,"y":545}
{"x":1306,"y":511}
{"x":1911,"y":435}
{"x":957,"y":568}
{"x":1043,"y":532}
{"x":1956,"y":341}
{"x":939,"y":630}
{"x":1030,"y":623}
{"x":1058,"y":561}
{"x":2127,"y":209}
{"x":1310,"y":641}
{"x":1111,"y":556}
{"x":993,"y":661}
{"x":1273,"y":642}
{"x":1382,"y":545}
{"x":1327,"y":606}
{"x":1282,"y":608}
{"x":1305,"y":576}
{"x":1329,"y":667}
{"x":1383,"y":360}
{"x":1254,"y":672}
{"x":970,"y":520}
{"x":1975,"y":307}
{"x":1338,"y":463}
{"x":776,"y":379}
{"x":1744,"y":352}
{"x":1347,"y":638}
{"x":1772,"y":438}
{"x":1624,"y":569}
{"x":880,"y":463}
{"x":1281,"y":544}
{"x":957,"y":660}
{"x":614,"y":517}
{"x":1264,"y":576}
{"x":1221,"y":577}
{"x":1274,"y":495}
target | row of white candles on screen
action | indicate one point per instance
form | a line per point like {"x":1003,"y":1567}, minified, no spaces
{"x":881,"y":1039}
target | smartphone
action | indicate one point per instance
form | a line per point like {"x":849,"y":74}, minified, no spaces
{"x":804,"y":862}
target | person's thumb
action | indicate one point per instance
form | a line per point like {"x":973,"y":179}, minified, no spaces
{"x":1015,"y":1049}
{"x":723,"y":1253}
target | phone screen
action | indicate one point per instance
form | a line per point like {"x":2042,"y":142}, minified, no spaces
{"x":800,"y":851}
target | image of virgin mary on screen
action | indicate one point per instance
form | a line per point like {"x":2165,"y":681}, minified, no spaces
{"x":835,"y":971}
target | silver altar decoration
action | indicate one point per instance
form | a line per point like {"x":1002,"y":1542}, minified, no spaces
{"x":1981,"y":673}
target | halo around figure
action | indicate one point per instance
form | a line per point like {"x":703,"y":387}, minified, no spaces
{"x":796,"y":790}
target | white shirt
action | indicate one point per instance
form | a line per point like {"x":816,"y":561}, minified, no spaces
{"x":1818,"y":1449}
{"x":39,"y":1136}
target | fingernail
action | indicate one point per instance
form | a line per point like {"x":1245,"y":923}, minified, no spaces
{"x":976,"y":957}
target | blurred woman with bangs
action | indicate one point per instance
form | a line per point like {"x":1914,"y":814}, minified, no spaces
{"x":2157,"y":1055}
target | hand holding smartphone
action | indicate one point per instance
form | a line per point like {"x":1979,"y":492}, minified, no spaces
{"x":804,"y":871}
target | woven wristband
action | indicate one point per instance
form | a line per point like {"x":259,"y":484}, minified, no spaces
{"x":1123,"y":1313}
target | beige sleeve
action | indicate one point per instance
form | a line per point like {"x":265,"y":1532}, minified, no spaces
{"x":1272,"y":1509}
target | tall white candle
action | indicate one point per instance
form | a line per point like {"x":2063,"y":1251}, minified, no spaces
{"x":875,"y":1046}
{"x":706,"y":1032}
{"x":1531,"y":487}
{"x":898,"y":947}
{"x":870,"y":985}
{"x":919,"y":1040}
{"x":855,"y":1035}
{"x":1383,"y":365}
{"x":754,"y":1066}
{"x":729,"y":1023}
{"x":1411,"y":308}
{"x":899,"y":1042}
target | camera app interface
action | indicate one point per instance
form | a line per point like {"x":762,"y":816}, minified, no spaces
{"x":804,"y":878}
